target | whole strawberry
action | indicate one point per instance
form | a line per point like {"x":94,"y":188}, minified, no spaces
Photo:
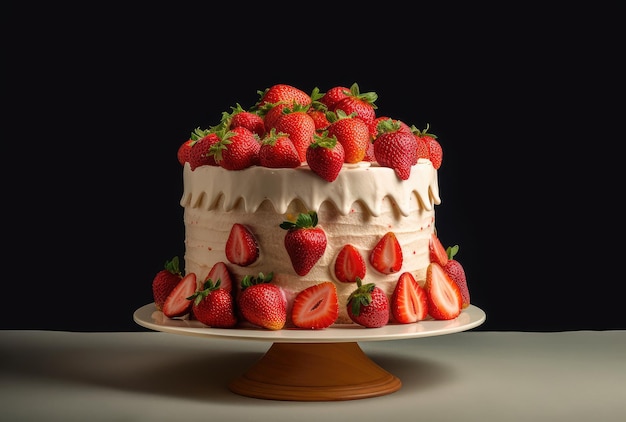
{"x":318,"y":111}
{"x":331,"y":97}
{"x":352,"y":133}
{"x":277,"y":151}
{"x":305,"y":242}
{"x":262,"y":303}
{"x":432,"y":147}
{"x":361,"y":104}
{"x":455,"y":270}
{"x":325,"y":156}
{"x":200,"y":150}
{"x":283,"y":93}
{"x":248,"y":119}
{"x":165,"y":280}
{"x":184,"y":150}
{"x":368,"y":305}
{"x":299,"y":125}
{"x":237,"y":149}
{"x":213,"y":306}
{"x":395,"y":148}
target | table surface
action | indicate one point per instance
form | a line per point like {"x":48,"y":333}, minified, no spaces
{"x":466,"y":376}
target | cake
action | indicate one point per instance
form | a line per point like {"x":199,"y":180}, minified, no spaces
{"x":377,"y":198}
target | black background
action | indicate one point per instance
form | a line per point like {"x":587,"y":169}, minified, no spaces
{"x":96,"y":106}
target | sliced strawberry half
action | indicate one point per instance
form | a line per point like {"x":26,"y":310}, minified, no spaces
{"x":178,"y":303}
{"x":241,"y":246}
{"x":409,"y":302}
{"x":316,"y":307}
{"x":386,"y":257}
{"x":438,"y":253}
{"x":349,"y":264}
{"x":219,"y":272}
{"x":444,"y":296}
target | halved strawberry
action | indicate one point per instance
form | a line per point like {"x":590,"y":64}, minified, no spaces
{"x":177,"y":303}
{"x":409,"y":301}
{"x":386,"y":257}
{"x":316,"y":307}
{"x":444,"y":296}
{"x":219,"y":272}
{"x":438,"y":253}
{"x":349,"y":264}
{"x":241,"y":246}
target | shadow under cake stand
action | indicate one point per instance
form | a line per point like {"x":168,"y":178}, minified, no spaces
{"x":314,"y":365}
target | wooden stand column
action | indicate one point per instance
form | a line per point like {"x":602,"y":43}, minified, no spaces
{"x":315,"y":372}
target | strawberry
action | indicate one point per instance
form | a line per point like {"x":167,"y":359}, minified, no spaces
{"x":241,"y":246}
{"x":325,"y":156}
{"x":455,"y":270}
{"x":200,"y":151}
{"x":368,"y":305}
{"x":177,"y":303}
{"x":262,"y":303}
{"x":373,"y":126}
{"x":319,"y":119}
{"x":283,"y":93}
{"x":165,"y":280}
{"x":444,"y":297}
{"x":318,"y":111}
{"x":352,"y":133}
{"x":435,"y":152}
{"x":237,"y":149}
{"x":349,"y":264}
{"x":213,"y":306}
{"x":219,"y":273}
{"x":305,"y":242}
{"x":333,"y":96}
{"x":437,"y":252}
{"x":369,"y":154}
{"x":362,"y":104}
{"x":184,"y":150}
{"x":316,"y":307}
{"x":386,"y":257}
{"x":277,"y":151}
{"x":248,"y":119}
{"x":408,"y":301}
{"x":395,"y":148}
{"x":299,"y":125}
{"x":271,"y":113}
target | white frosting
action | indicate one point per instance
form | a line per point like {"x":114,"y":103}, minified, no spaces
{"x":356,"y":183}
{"x":359,"y":207}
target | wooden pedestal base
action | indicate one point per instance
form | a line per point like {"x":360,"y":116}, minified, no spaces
{"x":315,"y":372}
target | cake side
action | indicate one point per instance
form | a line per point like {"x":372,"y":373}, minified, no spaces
{"x":364,"y":203}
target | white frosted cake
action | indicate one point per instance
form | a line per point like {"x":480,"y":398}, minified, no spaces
{"x":327,"y":205}
{"x":359,"y":207}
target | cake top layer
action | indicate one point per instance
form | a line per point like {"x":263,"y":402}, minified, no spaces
{"x":362,"y":182}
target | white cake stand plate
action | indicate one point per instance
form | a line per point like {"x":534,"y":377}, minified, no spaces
{"x":314,"y":365}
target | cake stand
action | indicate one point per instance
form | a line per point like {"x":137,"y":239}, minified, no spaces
{"x":313,"y":365}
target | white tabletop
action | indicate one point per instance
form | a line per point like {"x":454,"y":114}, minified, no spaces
{"x":466,"y":376}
